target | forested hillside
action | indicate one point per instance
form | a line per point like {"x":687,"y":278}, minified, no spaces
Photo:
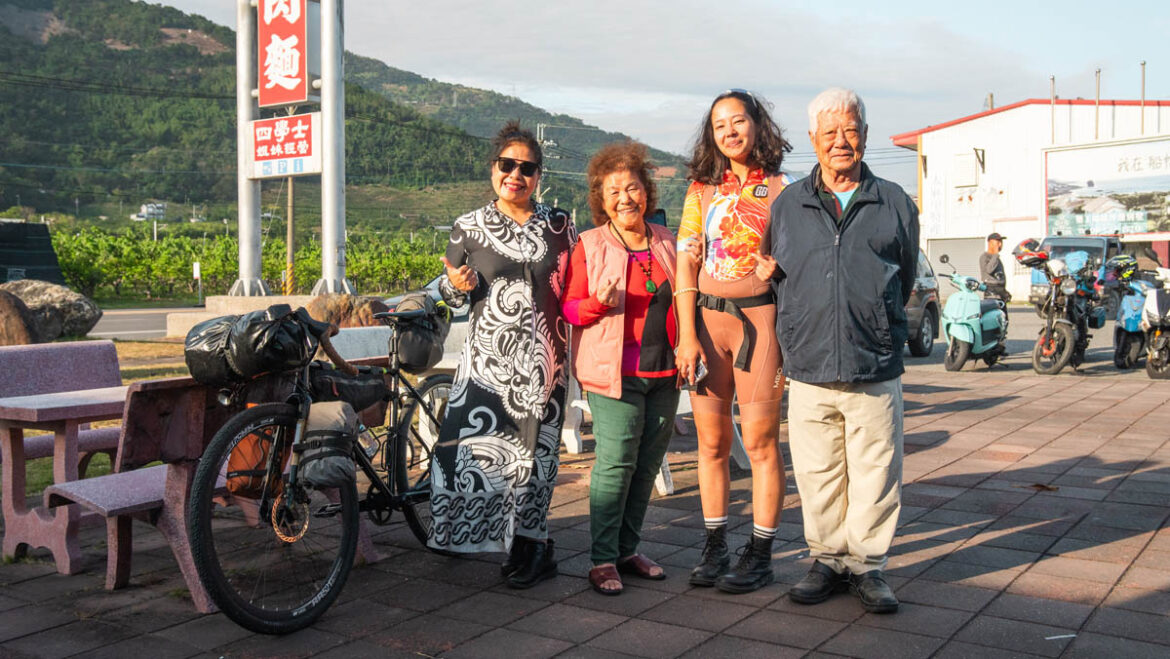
{"x":109,"y":104}
{"x":116,"y":98}
{"x":480,"y":112}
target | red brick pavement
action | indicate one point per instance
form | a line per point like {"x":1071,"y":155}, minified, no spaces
{"x":1034,"y":524}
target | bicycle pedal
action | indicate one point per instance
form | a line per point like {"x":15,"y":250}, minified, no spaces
{"x":328,"y":510}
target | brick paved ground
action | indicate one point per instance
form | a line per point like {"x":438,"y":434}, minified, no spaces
{"x":1035,"y":523}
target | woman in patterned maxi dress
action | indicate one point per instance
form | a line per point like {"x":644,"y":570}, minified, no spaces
{"x":496,"y":460}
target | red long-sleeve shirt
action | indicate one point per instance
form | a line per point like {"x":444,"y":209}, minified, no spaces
{"x":650,"y":331}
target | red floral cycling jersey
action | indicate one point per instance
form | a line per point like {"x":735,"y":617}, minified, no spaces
{"x":735,"y":224}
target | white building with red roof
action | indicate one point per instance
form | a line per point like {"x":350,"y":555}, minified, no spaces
{"x":1040,"y":166}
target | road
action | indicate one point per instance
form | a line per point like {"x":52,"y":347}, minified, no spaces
{"x":1023,"y":326}
{"x":132,"y":324}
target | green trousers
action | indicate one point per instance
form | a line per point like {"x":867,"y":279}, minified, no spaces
{"x":632,"y":435}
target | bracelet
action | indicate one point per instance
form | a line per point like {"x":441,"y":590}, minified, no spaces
{"x":692,"y":289}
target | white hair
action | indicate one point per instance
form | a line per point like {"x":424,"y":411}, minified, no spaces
{"x":835,"y":98}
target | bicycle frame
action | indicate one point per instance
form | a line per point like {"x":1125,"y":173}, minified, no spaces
{"x":400,"y":390}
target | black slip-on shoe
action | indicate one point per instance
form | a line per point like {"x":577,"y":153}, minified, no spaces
{"x":873,"y":591}
{"x":818,"y":585}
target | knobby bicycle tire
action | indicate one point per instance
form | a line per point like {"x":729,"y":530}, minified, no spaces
{"x":414,"y":438}
{"x":271,"y":571}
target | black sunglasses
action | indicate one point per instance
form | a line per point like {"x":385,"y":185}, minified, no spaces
{"x":506,"y":165}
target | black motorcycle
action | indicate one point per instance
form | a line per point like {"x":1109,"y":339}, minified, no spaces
{"x":1069,"y":309}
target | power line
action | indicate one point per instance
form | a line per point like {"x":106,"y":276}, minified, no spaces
{"x":113,"y":147}
{"x":87,"y":86}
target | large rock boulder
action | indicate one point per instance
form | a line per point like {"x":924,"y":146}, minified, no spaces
{"x":16,"y":321}
{"x":346,"y":310}
{"x":56,"y":310}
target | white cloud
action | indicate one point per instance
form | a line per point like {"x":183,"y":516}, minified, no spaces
{"x":650,"y":68}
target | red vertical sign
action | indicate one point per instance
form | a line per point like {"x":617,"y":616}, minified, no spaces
{"x":282,"y":34}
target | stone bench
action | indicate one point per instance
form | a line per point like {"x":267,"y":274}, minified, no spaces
{"x":55,"y":367}
{"x":169,"y":420}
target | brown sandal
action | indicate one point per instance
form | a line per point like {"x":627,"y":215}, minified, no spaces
{"x":640,"y":566}
{"x":602,"y":574}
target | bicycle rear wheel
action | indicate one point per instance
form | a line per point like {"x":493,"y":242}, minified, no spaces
{"x":414,"y":438}
{"x":278,"y":569}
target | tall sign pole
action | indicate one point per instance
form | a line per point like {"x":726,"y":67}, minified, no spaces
{"x":248,"y":190}
{"x":333,"y":151}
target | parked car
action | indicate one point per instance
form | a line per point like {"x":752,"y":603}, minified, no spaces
{"x":922,"y":309}
{"x":458,"y":334}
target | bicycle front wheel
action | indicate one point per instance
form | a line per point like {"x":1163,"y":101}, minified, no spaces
{"x":414,"y":439}
{"x":277,"y":568}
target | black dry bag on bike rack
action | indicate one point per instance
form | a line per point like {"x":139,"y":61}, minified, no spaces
{"x":366,"y":389}
{"x":205,"y":351}
{"x":327,"y":448}
{"x":233,"y":349}
{"x":420,"y":341}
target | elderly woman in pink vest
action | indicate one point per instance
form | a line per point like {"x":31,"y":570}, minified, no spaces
{"x":620,"y":297}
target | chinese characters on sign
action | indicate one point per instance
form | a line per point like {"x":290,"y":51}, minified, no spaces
{"x":282,"y":33}
{"x":286,"y":146}
{"x":1153,"y":163}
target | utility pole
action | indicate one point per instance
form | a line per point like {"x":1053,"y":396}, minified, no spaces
{"x":1052,"y":94}
{"x":1097,"y":115}
{"x":289,"y":282}
{"x":1143,"y":101}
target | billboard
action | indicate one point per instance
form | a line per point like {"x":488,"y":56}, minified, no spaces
{"x":286,"y":59}
{"x":1117,"y":187}
{"x":285,"y":146}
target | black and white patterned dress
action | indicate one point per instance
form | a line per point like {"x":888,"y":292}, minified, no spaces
{"x":496,"y":460}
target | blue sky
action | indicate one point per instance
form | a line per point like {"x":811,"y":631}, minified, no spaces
{"x":649,"y":69}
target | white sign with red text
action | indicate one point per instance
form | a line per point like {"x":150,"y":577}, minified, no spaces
{"x":286,"y":146}
{"x":283,"y":33}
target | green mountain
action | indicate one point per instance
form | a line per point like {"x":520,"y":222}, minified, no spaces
{"x":482,"y":112}
{"x":108,"y":104}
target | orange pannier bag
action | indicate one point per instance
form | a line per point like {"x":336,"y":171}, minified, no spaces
{"x":247,"y":465}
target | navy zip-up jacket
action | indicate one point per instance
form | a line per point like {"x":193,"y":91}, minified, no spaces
{"x":842,"y":287}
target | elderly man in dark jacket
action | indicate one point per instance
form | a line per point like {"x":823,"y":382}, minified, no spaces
{"x":845,"y":245}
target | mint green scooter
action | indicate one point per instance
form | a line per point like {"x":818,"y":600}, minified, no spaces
{"x":973,"y":327}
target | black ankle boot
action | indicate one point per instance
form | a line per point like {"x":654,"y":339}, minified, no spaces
{"x":715,"y":559}
{"x":539,"y":564}
{"x":515,"y":556}
{"x":753,"y":571}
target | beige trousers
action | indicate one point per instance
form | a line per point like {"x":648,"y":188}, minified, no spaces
{"x":846,"y":444}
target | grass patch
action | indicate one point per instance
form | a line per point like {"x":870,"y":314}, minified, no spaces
{"x":39,"y":474}
{"x":154,"y":372}
{"x":125,"y":302}
{"x":130,"y":352}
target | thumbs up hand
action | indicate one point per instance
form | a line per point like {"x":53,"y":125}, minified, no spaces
{"x":462,"y":278}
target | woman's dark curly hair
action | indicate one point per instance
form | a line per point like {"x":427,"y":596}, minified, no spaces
{"x":707,"y":164}
{"x":627,"y":156}
{"x":511,"y":134}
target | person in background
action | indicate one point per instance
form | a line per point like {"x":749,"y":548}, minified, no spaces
{"x":496,"y":459}
{"x":726,"y":314}
{"x":846,"y":243}
{"x":991,"y":269}
{"x":619,"y":295}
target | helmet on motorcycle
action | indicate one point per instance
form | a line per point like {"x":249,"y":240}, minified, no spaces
{"x":1028,"y":253}
{"x":1122,"y":267}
